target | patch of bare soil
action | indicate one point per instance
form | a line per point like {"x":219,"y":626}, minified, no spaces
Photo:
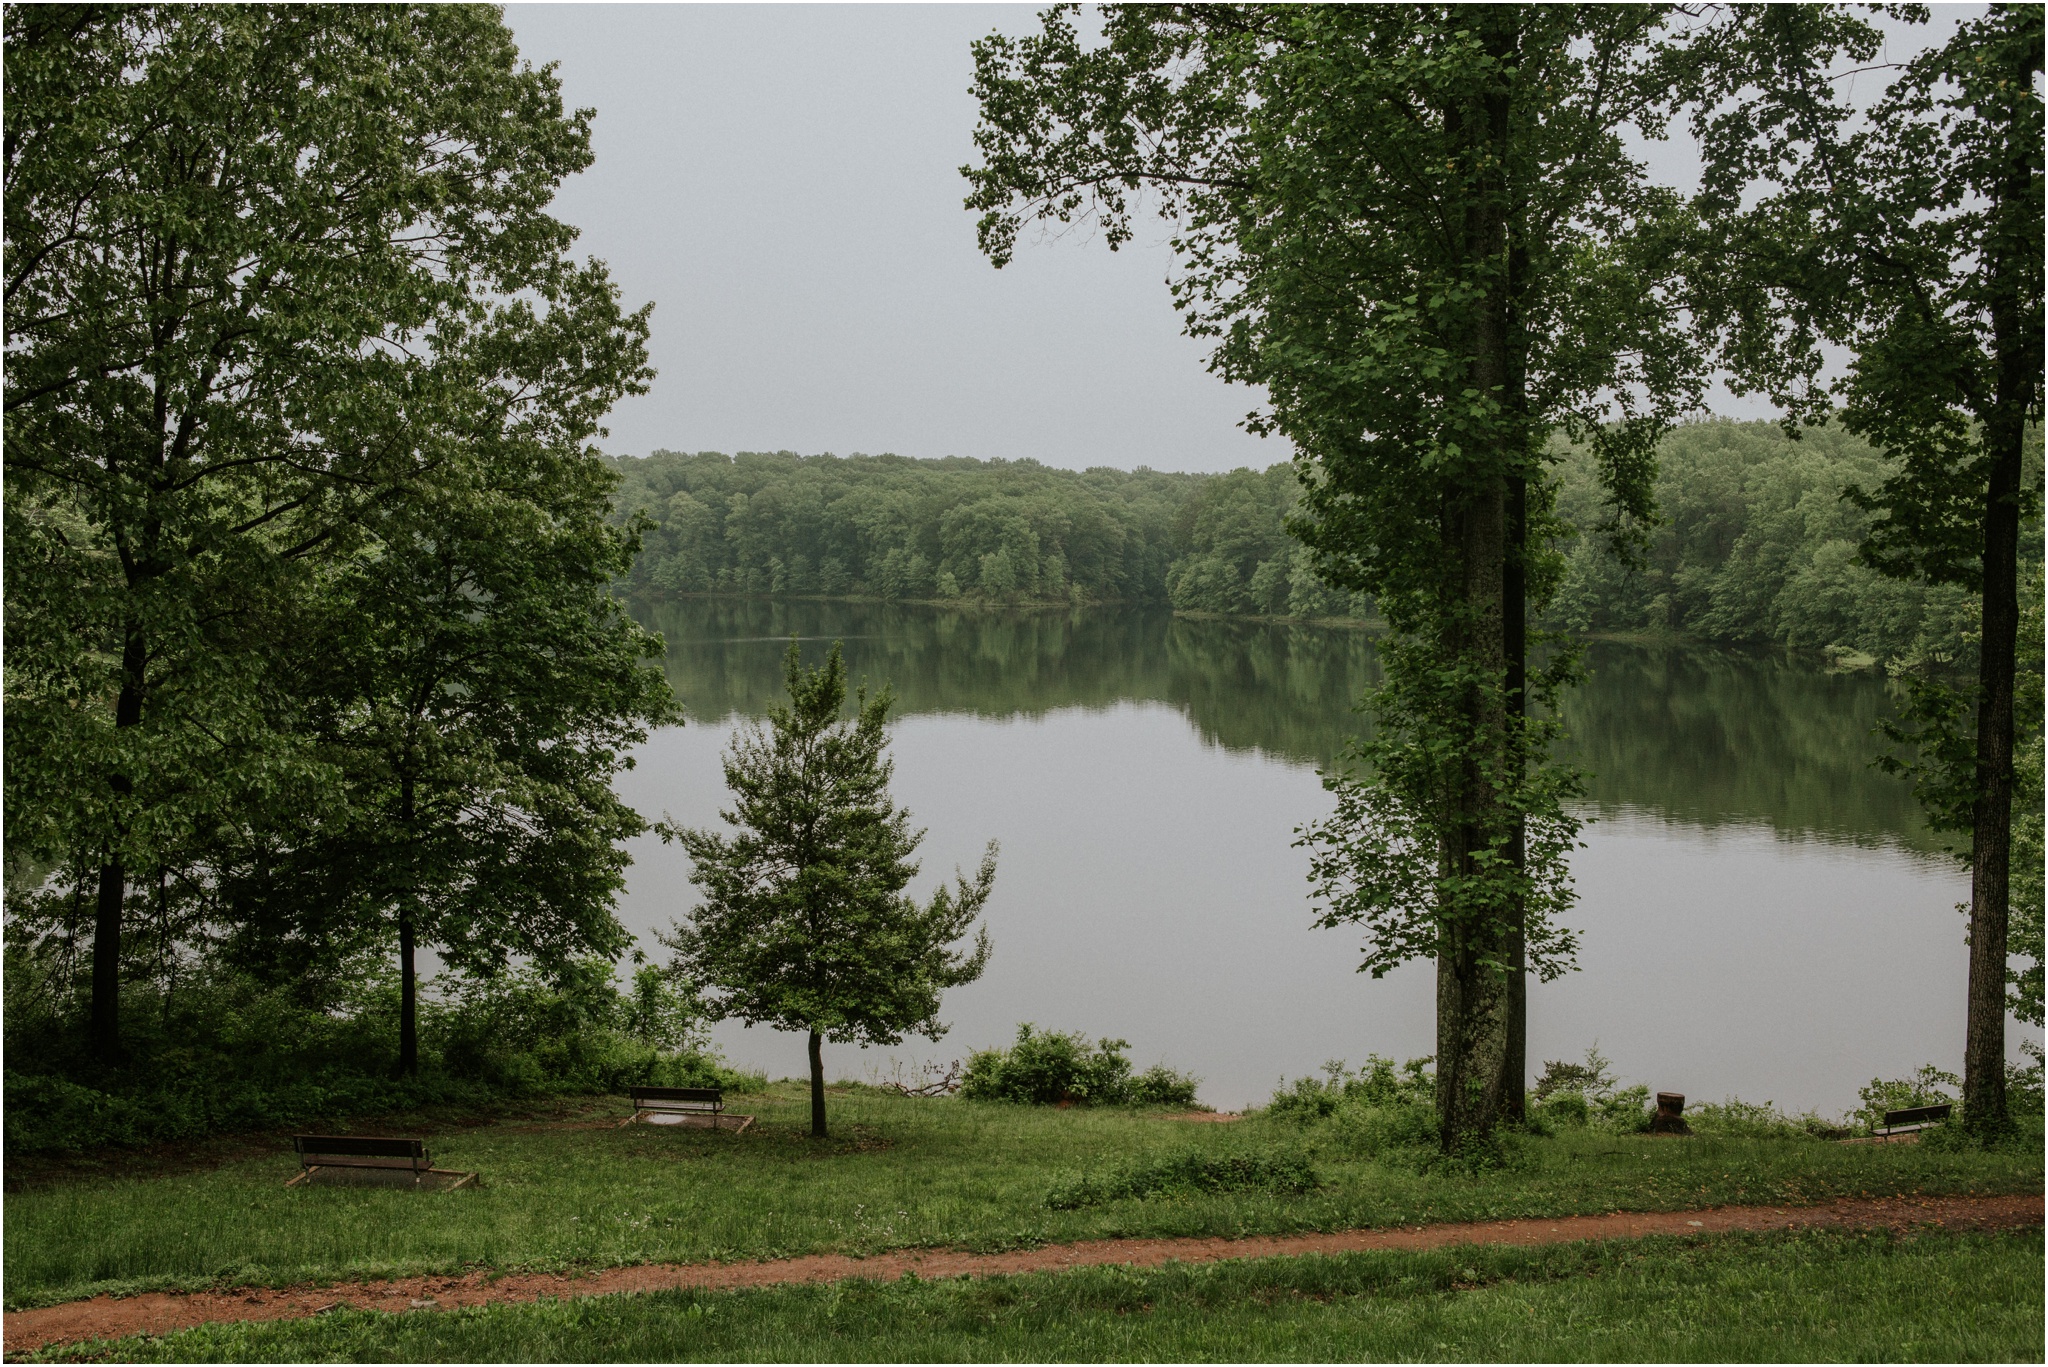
{"x":106,"y":1317}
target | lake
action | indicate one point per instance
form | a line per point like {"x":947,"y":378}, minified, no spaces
{"x":1761,"y":914}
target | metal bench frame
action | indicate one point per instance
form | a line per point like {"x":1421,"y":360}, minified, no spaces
{"x":320,"y":1151}
{"x":708,"y":1102}
{"x":1913,"y":1118}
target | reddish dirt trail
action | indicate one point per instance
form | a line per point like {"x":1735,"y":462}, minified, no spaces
{"x":105,"y":1317}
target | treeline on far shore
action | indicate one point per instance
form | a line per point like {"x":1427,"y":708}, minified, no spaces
{"x":1756,"y":543}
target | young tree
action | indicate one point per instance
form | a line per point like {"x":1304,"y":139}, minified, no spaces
{"x":1418,"y":227}
{"x":268,"y":269}
{"x":804,"y":924}
{"x":475,"y":687}
{"x":1911,"y":235}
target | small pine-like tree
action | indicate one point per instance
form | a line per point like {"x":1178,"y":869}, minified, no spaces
{"x":805,"y":924}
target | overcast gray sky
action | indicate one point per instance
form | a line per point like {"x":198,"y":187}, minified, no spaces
{"x":782,"y":181}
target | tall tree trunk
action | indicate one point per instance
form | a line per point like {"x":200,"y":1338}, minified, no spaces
{"x":408,"y":996}
{"x":106,"y":963}
{"x":1472,"y":998}
{"x":1984,"y":1103}
{"x":1473,"y":985}
{"x":408,"y":989}
{"x":1514,"y":1081}
{"x":817,"y":1086}
{"x":2016,"y":343}
{"x":1515,"y":645}
{"x":107,"y":920}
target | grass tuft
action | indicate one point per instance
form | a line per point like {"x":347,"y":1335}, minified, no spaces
{"x":1189,"y":1172}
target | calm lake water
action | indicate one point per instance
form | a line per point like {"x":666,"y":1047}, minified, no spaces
{"x":1761,"y":914}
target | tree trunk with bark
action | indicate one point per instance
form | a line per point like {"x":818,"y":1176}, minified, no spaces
{"x":408,"y":1000}
{"x":408,"y":930}
{"x":1476,"y":996}
{"x":1515,"y":644}
{"x":817,"y":1086}
{"x":2016,"y":349}
{"x":1984,"y":1101}
{"x":108,"y":918}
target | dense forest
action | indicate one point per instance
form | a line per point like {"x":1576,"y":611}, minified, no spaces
{"x":1005,"y":531}
{"x":1756,"y":542}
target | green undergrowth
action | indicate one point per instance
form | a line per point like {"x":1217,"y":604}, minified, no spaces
{"x":897,"y":1173}
{"x":1800,"y":1297}
{"x":226,"y":1054}
{"x":1049,"y":1068}
{"x":1190,"y":1173}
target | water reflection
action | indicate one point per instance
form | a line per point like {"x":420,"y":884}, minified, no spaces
{"x":1751,"y":885}
{"x":1696,"y":735}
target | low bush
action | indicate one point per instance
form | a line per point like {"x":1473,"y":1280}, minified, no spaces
{"x":1734,"y":1119}
{"x":1926,"y":1087}
{"x":1376,"y":1111}
{"x":2023,"y":1090}
{"x":1047,"y":1068}
{"x":227,"y":1053}
{"x":1585,"y":1094}
{"x":1377,"y":1084}
{"x":1376,"y":1131}
{"x":1189,"y":1173}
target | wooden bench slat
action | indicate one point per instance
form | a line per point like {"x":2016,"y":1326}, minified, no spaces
{"x":1910,"y":1118}
{"x":1909,"y":1114}
{"x":365,"y":1146}
{"x":679,"y":1100}
{"x":369,"y":1153}
{"x":361,"y":1151}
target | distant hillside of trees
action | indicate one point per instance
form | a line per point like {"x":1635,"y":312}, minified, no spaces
{"x":893,"y":528}
{"x":1756,"y":545}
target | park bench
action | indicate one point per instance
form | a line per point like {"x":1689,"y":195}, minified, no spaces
{"x":681,"y":1106}
{"x":1911,"y":1118}
{"x":367,"y":1156}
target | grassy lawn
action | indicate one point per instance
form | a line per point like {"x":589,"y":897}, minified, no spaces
{"x":900,"y":1173}
{"x":1757,"y":1298}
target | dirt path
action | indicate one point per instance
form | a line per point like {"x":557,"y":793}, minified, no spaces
{"x":105,"y":1317}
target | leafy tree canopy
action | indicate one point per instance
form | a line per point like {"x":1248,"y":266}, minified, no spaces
{"x":272,"y":272}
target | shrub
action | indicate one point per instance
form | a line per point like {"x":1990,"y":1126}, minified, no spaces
{"x":1375,"y":1084}
{"x":1564,"y":1108}
{"x":1159,"y":1085}
{"x":1188,"y":1173}
{"x":1590,"y":1078}
{"x":1927,"y":1087}
{"x":1735,"y":1119}
{"x":227,"y":1053}
{"x":2023,"y":1092}
{"x":1375,"y":1131}
{"x":1624,"y":1112}
{"x":1585,"y":1094}
{"x":1047,"y":1068}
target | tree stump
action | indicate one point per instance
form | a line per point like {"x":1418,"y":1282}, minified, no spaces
{"x":1667,"y":1120}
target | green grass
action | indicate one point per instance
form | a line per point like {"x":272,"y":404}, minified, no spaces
{"x":1759,"y":1298}
{"x":899,"y":1173}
